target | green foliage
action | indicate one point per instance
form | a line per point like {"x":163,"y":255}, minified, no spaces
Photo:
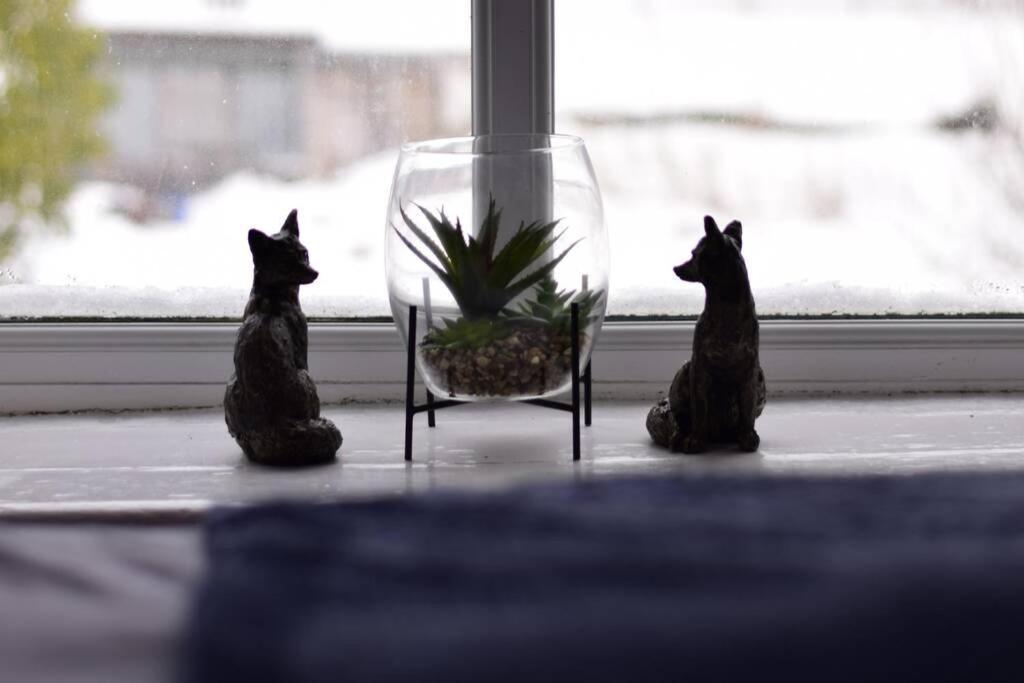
{"x":50,"y":100}
{"x":553,"y":307}
{"x":550,"y":308}
{"x":482,"y":282}
{"x":463,"y":333}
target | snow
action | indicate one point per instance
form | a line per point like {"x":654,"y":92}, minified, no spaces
{"x":893,"y":223}
{"x":872,"y":223}
{"x":200,"y":266}
{"x":853,"y":200}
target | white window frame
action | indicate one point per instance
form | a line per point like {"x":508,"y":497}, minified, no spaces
{"x":51,"y":367}
{"x":114,"y":366}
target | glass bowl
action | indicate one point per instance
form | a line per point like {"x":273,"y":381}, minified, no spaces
{"x":492,"y":238}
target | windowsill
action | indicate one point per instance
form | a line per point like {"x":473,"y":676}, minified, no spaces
{"x":171,"y":466}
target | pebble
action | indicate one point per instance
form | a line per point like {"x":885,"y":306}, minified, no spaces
{"x":531,"y":362}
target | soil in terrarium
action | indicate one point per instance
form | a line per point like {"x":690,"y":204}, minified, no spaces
{"x":531,"y":360}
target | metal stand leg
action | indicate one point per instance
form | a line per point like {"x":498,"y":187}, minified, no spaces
{"x":431,"y":422}
{"x":432,"y":405}
{"x":575,"y":359}
{"x":587,"y":395}
{"x":410,"y":383}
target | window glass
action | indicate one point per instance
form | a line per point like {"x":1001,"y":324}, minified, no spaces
{"x":189,"y":122}
{"x":873,"y":149}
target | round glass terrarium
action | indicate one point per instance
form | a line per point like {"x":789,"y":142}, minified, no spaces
{"x":493,"y":239}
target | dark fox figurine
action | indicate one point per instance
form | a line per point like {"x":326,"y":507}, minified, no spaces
{"x":271,"y":405}
{"x":717,"y":395}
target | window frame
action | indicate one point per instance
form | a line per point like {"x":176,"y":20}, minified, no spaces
{"x":57,"y":367}
{"x":53,"y":367}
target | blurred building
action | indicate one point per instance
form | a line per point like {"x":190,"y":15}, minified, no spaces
{"x":219,"y":86}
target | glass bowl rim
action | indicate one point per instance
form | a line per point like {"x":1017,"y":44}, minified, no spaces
{"x":557,"y":142}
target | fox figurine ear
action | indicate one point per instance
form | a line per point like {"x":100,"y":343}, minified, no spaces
{"x":735,"y":231}
{"x":257,"y":241}
{"x":291,"y":224}
{"x":711,"y":228}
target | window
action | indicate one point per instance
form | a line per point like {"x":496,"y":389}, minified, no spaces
{"x":688,"y":107}
{"x":873,"y":149}
{"x":223,"y":116}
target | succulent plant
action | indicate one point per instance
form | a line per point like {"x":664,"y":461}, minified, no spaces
{"x":463,"y":333}
{"x":550,"y":308}
{"x":553,"y":307}
{"x":483,"y":282}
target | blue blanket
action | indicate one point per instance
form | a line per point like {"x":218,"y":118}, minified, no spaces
{"x":708,"y":579}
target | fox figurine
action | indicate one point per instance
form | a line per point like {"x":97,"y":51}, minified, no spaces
{"x":271,"y":405}
{"x":716,"y":396}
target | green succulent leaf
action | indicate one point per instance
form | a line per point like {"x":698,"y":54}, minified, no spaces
{"x":462,"y":333}
{"x":553,"y":307}
{"x":440,"y":273}
{"x":483,"y":282}
{"x":422,"y":236}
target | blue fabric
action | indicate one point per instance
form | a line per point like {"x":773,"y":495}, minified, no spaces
{"x":709,"y":579}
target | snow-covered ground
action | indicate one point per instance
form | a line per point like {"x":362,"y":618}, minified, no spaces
{"x":900,"y":222}
{"x":854,"y":200}
{"x":200,"y":266}
{"x":896,"y":222}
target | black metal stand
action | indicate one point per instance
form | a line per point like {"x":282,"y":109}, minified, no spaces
{"x":432,"y":405}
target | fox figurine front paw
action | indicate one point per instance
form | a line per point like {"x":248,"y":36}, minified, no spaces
{"x":271,"y":406}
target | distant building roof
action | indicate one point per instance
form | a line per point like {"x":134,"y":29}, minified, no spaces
{"x":376,"y":26}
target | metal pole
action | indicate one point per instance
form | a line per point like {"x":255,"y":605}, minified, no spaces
{"x":513,"y":94}
{"x":513,"y":66}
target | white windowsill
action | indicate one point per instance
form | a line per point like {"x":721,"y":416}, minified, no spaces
{"x":168,"y":466}
{"x":115,"y":366}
